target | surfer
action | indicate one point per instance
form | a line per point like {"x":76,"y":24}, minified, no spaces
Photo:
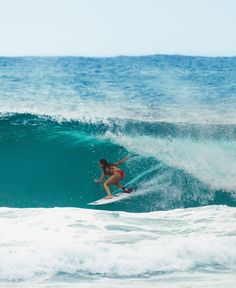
{"x":115,"y":173}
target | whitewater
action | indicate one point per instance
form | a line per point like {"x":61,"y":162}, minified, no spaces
{"x":174,"y":116}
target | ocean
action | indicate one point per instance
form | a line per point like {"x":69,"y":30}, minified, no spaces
{"x":174,"y":116}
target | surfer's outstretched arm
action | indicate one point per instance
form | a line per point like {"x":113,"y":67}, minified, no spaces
{"x":101,"y":178}
{"x":121,"y":161}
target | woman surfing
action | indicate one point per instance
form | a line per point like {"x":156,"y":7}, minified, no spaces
{"x":115,"y":173}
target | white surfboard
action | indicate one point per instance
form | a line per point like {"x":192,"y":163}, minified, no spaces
{"x":115,"y":198}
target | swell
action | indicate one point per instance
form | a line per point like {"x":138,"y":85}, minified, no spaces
{"x":150,"y":88}
{"x":45,"y":163}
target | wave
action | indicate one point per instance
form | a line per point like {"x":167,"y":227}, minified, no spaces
{"x":46,"y":163}
{"x":76,"y":244}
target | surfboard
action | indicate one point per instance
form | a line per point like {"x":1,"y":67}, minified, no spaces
{"x":115,"y":197}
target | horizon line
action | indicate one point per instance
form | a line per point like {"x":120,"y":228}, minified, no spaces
{"x":115,"y":56}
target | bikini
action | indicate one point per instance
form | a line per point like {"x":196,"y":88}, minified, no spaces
{"x":121,"y":172}
{"x":112,"y":172}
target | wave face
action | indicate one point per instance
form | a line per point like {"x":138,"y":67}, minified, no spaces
{"x":175,"y":117}
{"x":48,"y":164}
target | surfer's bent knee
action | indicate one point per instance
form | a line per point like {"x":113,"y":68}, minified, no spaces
{"x":105,"y":184}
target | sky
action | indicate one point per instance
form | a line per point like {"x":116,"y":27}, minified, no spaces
{"x":117,"y":27}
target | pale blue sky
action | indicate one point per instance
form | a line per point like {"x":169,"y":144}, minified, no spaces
{"x":117,"y":27}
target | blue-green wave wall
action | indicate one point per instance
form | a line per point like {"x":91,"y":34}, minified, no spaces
{"x":46,"y":164}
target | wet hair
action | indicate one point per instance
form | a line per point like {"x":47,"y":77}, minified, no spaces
{"x":105,"y":165}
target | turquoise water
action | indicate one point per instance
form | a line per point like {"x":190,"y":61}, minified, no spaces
{"x":175,"y":119}
{"x":48,"y":164}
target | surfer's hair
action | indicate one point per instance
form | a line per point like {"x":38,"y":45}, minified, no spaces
{"x":105,"y":164}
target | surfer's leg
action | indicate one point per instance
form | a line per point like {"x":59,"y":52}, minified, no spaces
{"x":113,"y":180}
{"x":119,"y":186}
{"x":126,"y":190}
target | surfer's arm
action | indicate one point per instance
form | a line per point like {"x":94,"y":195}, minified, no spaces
{"x":101,"y":178}
{"x":121,"y":161}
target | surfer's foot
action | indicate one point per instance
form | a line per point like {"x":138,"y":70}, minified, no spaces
{"x":128,"y":190}
{"x":108,"y":197}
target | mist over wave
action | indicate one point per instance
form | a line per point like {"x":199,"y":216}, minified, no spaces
{"x":151,"y":88}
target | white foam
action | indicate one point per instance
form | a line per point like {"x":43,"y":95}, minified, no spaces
{"x":213,"y":162}
{"x":40,"y":243}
